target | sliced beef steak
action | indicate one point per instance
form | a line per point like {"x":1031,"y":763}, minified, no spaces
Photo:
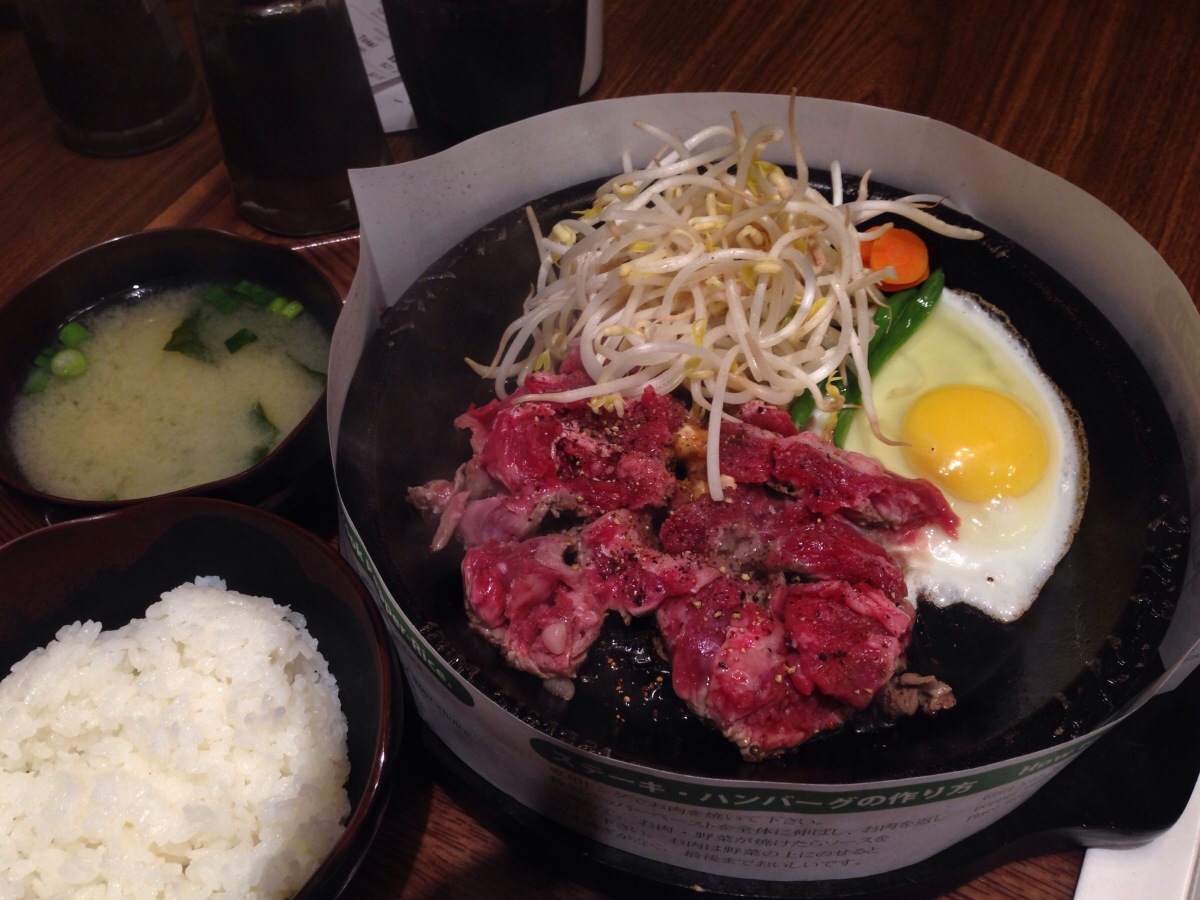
{"x":621,"y":561}
{"x":780,"y":608}
{"x":828,"y":480}
{"x":730,"y":664}
{"x":567,"y":457}
{"x":847,"y":640}
{"x":532,"y":603}
{"x":753,"y":529}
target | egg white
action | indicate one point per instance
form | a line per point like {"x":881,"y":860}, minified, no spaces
{"x":1006,"y":548}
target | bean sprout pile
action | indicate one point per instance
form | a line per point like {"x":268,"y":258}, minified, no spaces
{"x":709,"y":270}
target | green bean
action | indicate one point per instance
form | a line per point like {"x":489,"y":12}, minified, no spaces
{"x":894,"y":323}
{"x":802,"y":406}
{"x":905,"y":317}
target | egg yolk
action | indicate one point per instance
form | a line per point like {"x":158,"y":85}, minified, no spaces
{"x":975,"y":443}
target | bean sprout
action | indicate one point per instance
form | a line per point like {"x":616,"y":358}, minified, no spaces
{"x":712,"y":271}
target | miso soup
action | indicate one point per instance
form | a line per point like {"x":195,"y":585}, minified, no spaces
{"x":175,"y":393}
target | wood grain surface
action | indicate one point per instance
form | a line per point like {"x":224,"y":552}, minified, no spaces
{"x":1103,"y":94}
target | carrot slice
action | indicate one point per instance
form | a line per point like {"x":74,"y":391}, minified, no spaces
{"x":905,"y":252}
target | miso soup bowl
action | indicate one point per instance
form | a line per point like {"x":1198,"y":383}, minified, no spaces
{"x":148,"y":262}
{"x":122,"y":560}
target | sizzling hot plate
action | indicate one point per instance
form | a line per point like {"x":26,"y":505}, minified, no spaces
{"x":1088,"y":645}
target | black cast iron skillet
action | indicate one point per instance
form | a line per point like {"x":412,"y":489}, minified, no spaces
{"x":1087,"y":647}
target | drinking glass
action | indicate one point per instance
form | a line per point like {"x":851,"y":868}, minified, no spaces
{"x":115,"y":73}
{"x":473,"y":65}
{"x":293,"y":108}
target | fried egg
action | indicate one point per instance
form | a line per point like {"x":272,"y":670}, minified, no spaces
{"x":974,"y":414}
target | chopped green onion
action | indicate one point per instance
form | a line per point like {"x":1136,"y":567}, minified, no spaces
{"x":264,"y":297}
{"x":68,"y":363}
{"x":73,"y":334}
{"x":255,"y":293}
{"x":37,"y":380}
{"x":222,"y":299}
{"x":185,"y":339}
{"x":292,"y":309}
{"x":240,"y":339}
{"x":62,"y":359}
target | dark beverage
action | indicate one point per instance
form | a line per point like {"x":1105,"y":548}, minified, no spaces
{"x":473,"y":65}
{"x":293,"y":108}
{"x":115,"y":73}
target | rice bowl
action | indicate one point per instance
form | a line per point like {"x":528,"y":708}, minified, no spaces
{"x":200,"y":748}
{"x":122,"y":562}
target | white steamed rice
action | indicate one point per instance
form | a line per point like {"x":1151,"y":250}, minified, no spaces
{"x":200,"y":751}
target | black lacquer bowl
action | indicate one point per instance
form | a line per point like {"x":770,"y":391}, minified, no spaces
{"x":111,"y":566}
{"x":1087,"y":648}
{"x":139,"y":265}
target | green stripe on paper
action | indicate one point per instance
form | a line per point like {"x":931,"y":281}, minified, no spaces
{"x":445,"y":676}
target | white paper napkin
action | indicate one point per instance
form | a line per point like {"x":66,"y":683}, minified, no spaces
{"x":1167,"y":868}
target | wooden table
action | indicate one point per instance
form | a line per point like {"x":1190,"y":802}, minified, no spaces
{"x":1105,"y":94}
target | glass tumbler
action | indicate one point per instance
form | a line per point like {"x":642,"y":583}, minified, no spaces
{"x":293,"y":108}
{"x":116,"y":74}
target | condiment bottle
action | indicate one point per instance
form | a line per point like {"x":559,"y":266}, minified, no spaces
{"x":115,"y":73}
{"x":293,"y":108}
